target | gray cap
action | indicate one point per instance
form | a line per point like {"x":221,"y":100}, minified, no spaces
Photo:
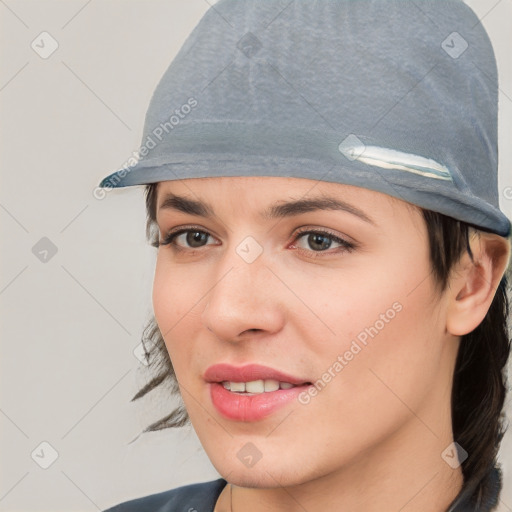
{"x":397,"y":96}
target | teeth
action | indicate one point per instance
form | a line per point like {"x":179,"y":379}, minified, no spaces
{"x":271,"y":385}
{"x":257,"y":386}
{"x":237,"y":386}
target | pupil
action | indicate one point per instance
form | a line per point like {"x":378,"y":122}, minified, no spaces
{"x":315,"y":238}
{"x":194,"y":237}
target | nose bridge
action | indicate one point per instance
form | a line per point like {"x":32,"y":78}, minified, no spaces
{"x":242,"y":296}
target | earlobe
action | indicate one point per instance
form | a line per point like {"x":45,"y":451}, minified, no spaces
{"x":473,"y":282}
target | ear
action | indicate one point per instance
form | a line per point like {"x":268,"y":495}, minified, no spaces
{"x":473,"y":283}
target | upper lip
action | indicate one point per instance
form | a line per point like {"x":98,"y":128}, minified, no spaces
{"x":226,"y":372}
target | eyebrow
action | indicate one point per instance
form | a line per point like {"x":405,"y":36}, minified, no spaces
{"x":276,"y":211}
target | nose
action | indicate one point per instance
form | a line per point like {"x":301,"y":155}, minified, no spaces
{"x":245,"y":297}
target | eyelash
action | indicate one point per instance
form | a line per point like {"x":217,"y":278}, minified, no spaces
{"x":345,"y":245}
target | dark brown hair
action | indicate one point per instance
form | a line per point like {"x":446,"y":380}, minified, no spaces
{"x":479,"y":384}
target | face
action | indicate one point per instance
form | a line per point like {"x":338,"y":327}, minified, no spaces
{"x":281,"y":281}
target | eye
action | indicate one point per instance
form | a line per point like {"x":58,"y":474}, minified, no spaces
{"x":192,"y":238}
{"x":319,"y":241}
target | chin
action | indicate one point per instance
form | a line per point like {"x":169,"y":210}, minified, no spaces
{"x":262,"y":475}
{"x":253,"y":479}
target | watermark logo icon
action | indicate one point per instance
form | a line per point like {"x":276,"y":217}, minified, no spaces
{"x":249,"y":249}
{"x":454,"y":45}
{"x":140,"y":353}
{"x":44,"y":45}
{"x":249,"y":455}
{"x":44,"y":455}
{"x":44,"y":250}
{"x":454,"y":455}
{"x":352,"y":147}
{"x":249,"y":45}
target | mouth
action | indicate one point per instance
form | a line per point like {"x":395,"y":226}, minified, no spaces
{"x":251,"y":392}
{"x":256,"y":387}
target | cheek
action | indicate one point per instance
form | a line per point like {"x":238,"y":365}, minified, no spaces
{"x":176,"y":292}
{"x":388,"y":344}
{"x":386,"y":383}
{"x":176,"y":301}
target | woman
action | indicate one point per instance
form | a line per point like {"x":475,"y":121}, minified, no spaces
{"x":321,"y":184}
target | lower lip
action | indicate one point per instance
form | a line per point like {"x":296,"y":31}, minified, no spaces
{"x":241,"y":407}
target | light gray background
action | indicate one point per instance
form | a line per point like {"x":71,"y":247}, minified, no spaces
{"x":69,"y":325}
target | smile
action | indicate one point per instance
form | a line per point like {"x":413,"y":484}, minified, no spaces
{"x":252,"y":392}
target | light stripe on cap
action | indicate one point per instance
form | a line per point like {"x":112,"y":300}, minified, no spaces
{"x":386,"y":158}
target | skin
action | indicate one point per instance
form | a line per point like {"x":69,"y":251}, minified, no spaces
{"x":372,"y":439}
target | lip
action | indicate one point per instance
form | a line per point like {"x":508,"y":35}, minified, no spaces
{"x":250,"y":408}
{"x":227,"y":372}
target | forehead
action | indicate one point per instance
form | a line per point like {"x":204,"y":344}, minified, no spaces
{"x":267,"y":188}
